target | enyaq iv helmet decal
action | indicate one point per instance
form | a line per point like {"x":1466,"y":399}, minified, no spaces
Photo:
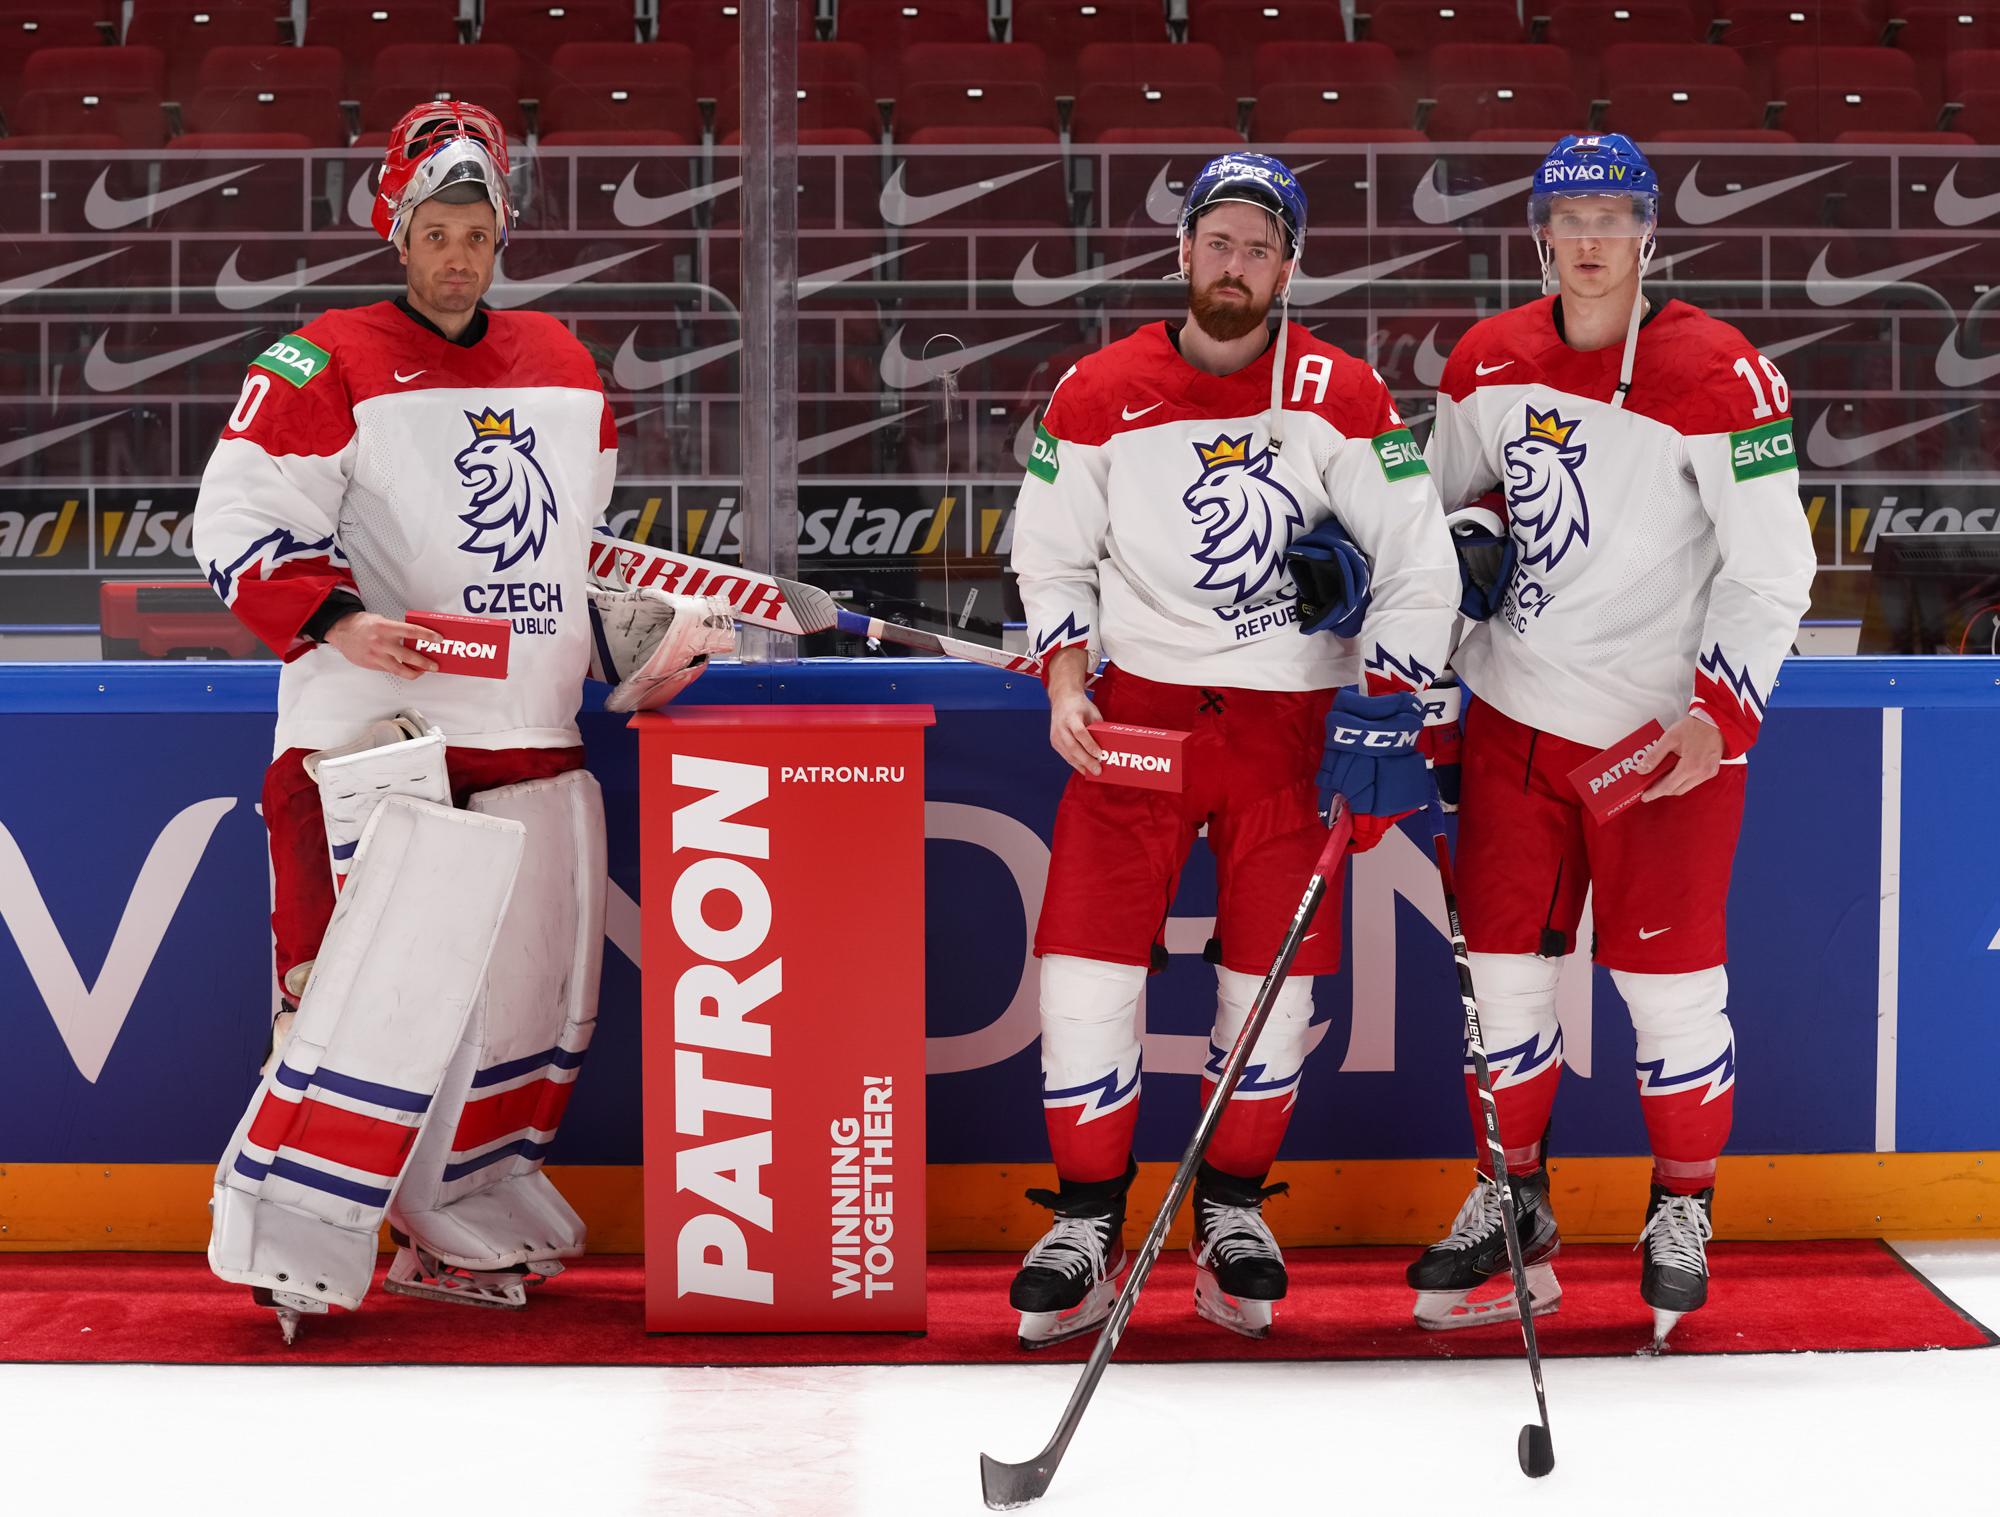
{"x":1610,"y":164}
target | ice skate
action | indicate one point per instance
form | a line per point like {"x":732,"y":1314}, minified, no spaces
{"x":1475,"y":1250}
{"x":1069,"y":1280}
{"x":415,"y":1271}
{"x":289,"y":1307}
{"x":1239,"y":1271}
{"x":1674,"y":1280}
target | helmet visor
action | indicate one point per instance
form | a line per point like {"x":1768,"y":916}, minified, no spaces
{"x":1593,"y":217}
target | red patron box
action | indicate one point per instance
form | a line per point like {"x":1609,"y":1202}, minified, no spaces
{"x":475,"y":645}
{"x":1611,"y":782}
{"x":1149,"y":757}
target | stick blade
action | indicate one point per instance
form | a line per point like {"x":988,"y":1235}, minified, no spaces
{"x":1008,"y":1487}
{"x":1538,"y":1451}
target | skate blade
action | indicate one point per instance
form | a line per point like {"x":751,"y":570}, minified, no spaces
{"x":1045,"y":1329}
{"x":408,"y":1277}
{"x":289,"y":1308}
{"x":1444,"y":1311}
{"x":1212,"y":1303}
{"x":1663,"y":1323}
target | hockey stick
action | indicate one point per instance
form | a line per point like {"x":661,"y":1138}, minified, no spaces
{"x":782,"y":605}
{"x":1537,"y":1448}
{"x":1007,"y":1486}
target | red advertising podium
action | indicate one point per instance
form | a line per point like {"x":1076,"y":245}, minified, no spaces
{"x":782,"y":859}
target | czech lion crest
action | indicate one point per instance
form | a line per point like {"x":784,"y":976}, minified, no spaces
{"x":512,"y":505}
{"x":1544,"y":494}
{"x":1246,"y":518}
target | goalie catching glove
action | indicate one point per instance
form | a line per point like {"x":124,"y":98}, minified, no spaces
{"x":649,"y":646}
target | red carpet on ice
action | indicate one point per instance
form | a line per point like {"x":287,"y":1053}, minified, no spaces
{"x":1345,"y":1303}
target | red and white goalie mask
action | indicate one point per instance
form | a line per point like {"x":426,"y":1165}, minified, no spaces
{"x":436,"y":147}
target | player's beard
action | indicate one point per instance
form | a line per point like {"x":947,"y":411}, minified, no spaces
{"x":1225,"y":321}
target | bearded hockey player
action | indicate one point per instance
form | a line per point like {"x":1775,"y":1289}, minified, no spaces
{"x":1171,"y":473}
{"x":438,"y":876}
{"x":1649,"y":561}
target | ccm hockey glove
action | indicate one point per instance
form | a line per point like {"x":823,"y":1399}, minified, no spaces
{"x":1373,"y":759}
{"x":1332,"y":576}
{"x":1486,"y":554}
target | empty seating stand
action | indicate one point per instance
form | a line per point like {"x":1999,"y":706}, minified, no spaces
{"x":22,"y":35}
{"x":625,"y":94}
{"x":1829,"y":91}
{"x":363,"y":29}
{"x":484,"y":73}
{"x":94,"y":92}
{"x":1476,"y":93}
{"x":974,"y":93}
{"x":268,"y":92}
{"x":1237,"y":29}
{"x":1062,"y":29}
{"x":1152,"y":92}
{"x":184,"y":33}
{"x":1658,"y":91}
{"x":1586,"y":30}
{"x":885,"y":28}
{"x":535,"y":29}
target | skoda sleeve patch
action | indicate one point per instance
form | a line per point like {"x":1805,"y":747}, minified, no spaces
{"x":1401,"y":457}
{"x":1042,"y":460}
{"x":1762,"y":450}
{"x":293,"y":358}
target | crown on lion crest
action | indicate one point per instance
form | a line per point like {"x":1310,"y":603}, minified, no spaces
{"x":490,"y":425}
{"x":1224,"y":450}
{"x":1549,"y":426}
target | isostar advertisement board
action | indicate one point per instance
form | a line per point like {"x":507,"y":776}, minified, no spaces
{"x":784,"y":1018}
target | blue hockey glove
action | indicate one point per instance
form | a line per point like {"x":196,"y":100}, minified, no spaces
{"x":1485,"y":559}
{"x":1372,"y":758}
{"x":1332,"y":576}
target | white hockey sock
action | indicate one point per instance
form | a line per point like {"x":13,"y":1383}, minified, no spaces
{"x":1517,"y":1014}
{"x":1685,"y":1040}
{"x":1090,"y":1044}
{"x":1274,"y":1066}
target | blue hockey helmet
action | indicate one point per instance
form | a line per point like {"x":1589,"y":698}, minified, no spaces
{"x":1608,"y":164}
{"x":1253,"y":179}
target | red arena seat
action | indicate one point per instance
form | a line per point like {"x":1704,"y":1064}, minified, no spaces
{"x":622,"y":87}
{"x":1523,"y":63}
{"x":245,"y":142}
{"x":975,"y":113}
{"x":1588,"y":29}
{"x":975,"y":63}
{"x":94,"y":91}
{"x":1932,"y":34}
{"x":1148,"y":63}
{"x":1759,"y":30}
{"x":1659,"y":87}
{"x":832,"y":106}
{"x":1413,"y":27}
{"x":537,"y":28}
{"x":1165,"y":112}
{"x":363,"y":29}
{"x":484,"y":73}
{"x":1830,"y":90}
{"x":1464,"y":111}
{"x":1323,"y":63}
{"x":1283,"y":110}
{"x":57,"y":142}
{"x":1972,"y":82}
{"x":1238,"y":28}
{"x":885,"y":28}
{"x":290,"y":91}
{"x":1062,"y":29}
{"x":1725,"y":134}
{"x":27,"y":34}
{"x":185,"y":32}
{"x":1351,"y":134}
{"x":710,"y":30}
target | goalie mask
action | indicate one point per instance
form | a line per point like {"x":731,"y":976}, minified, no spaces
{"x":448,"y":148}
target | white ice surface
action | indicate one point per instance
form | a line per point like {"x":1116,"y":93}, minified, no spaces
{"x":1827,"y":1433}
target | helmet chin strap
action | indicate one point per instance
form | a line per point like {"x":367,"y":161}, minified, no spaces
{"x":1276,"y":420}
{"x":1646,"y":246}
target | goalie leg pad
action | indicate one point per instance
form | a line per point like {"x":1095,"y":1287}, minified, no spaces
{"x":315,"y":1160}
{"x":475,"y":1196}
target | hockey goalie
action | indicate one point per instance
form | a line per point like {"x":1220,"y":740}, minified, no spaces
{"x":437,"y":846}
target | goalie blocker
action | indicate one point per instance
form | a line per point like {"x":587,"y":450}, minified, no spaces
{"x":419,"y":1084}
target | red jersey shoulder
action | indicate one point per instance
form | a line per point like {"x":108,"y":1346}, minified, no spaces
{"x":1510,"y":340}
{"x":1702,"y":376}
{"x":542,"y":351}
{"x":1333,"y":384}
{"x":1089,"y":402}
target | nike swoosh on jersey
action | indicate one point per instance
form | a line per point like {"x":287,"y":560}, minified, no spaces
{"x":1825,"y":288}
{"x":1644,"y":934}
{"x":403,"y":379}
{"x":1480,"y":368}
{"x":107,"y":212}
{"x":1307,"y":291}
{"x":840,"y":273}
{"x":235,"y":293}
{"x":27,"y":284}
{"x":103,"y":372}
{"x":1954,"y":209}
{"x":1432,"y":205}
{"x":1033,"y":289}
{"x":1698,"y":208}
{"x":902,"y":372}
{"x":631,"y":372}
{"x":1131,"y":415}
{"x":508,"y":293}
{"x":635,"y":208}
{"x":826,"y":442}
{"x":900,"y":208}
{"x":21,"y":447}
{"x":1830,"y":452}
{"x":1778,"y":350}
{"x":1956,"y":370}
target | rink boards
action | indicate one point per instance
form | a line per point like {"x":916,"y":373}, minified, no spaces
{"x":1864,"y":926}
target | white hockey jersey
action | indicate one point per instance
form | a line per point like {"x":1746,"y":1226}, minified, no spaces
{"x":1663,"y":561}
{"x":1154,"y":520}
{"x":369,"y":453}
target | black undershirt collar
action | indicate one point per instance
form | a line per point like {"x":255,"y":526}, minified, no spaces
{"x":1652,"y":310}
{"x":475,"y":329}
